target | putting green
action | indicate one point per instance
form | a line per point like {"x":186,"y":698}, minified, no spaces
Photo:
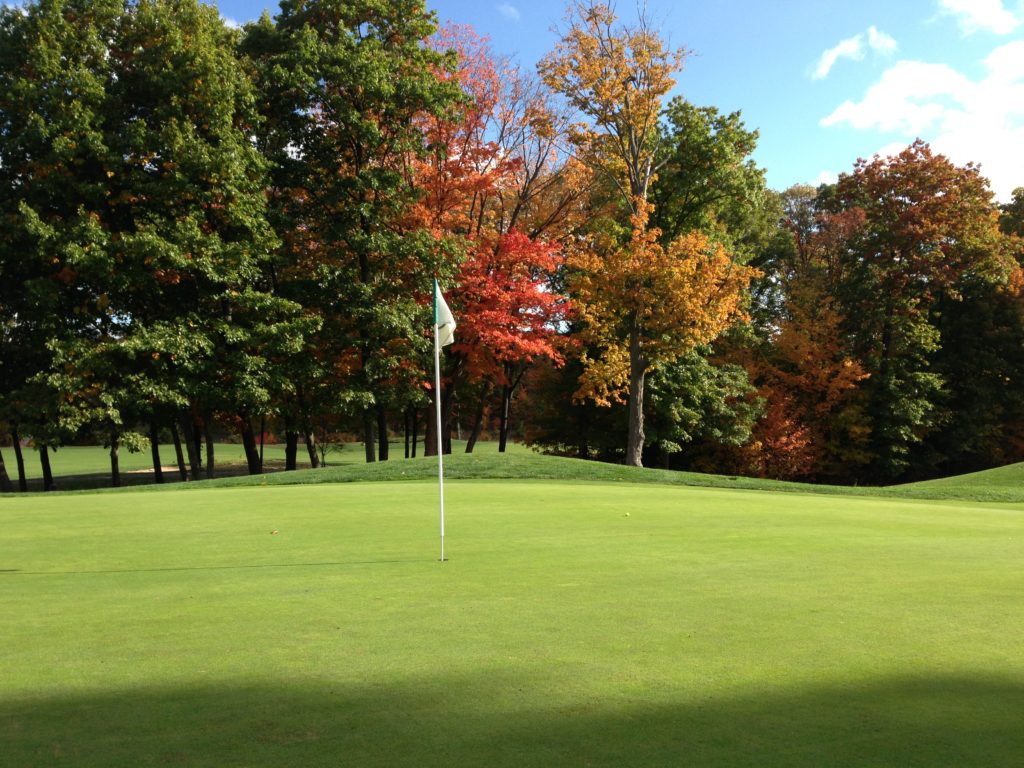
{"x":707,"y":627}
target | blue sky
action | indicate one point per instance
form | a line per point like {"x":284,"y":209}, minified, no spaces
{"x":824,"y":82}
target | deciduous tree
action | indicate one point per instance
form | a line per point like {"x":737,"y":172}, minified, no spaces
{"x":645,"y":305}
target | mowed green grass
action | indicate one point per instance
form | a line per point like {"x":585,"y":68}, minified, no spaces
{"x":708,"y":627}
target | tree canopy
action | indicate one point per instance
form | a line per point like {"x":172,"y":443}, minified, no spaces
{"x":210,"y":231}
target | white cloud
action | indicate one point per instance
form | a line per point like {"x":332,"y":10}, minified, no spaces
{"x":510,"y":12}
{"x":825,"y":177}
{"x":853,"y":48}
{"x":968,"y":120}
{"x":850,"y":48}
{"x":892,"y":149}
{"x":880,"y":41}
{"x":981,"y":16}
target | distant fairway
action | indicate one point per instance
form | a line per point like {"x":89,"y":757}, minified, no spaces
{"x":710,"y":627}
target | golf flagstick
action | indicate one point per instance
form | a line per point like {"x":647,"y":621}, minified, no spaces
{"x":437,"y":400}
{"x":443,"y":321}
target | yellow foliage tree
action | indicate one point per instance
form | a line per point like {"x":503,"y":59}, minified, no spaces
{"x":646,"y":305}
{"x":617,"y":78}
{"x":643,"y":304}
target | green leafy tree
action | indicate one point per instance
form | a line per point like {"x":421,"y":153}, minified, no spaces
{"x":148,"y":216}
{"x":1011,"y":220}
{"x":342,"y":87}
{"x":698,"y":401}
{"x":927,"y":224}
{"x":191,"y":215}
{"x":54,"y":66}
{"x":708,"y":182}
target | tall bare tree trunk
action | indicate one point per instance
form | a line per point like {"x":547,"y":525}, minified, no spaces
{"x":368,"y":445}
{"x":382,"y":433}
{"x":263,"y":435}
{"x":314,"y":457}
{"x":291,"y":449}
{"x":637,"y":375}
{"x":19,"y":460}
{"x":512,"y":379}
{"x":195,"y":460}
{"x":154,"y":447}
{"x":506,"y":402}
{"x":115,"y":460}
{"x":415,"y":428}
{"x":5,"y":480}
{"x":178,"y":455}
{"x":582,"y":446}
{"x":430,"y":430}
{"x":252,"y":457}
{"x":197,"y":437}
{"x":44,"y":461}
{"x":208,"y":432}
{"x":447,"y":406}
{"x":478,"y":419}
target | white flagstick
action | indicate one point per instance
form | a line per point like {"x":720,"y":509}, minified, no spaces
{"x":437,"y":399}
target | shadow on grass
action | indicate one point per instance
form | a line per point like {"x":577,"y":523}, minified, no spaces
{"x":504,"y":720}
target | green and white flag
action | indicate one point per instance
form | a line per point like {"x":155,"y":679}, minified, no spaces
{"x":444,"y":334}
{"x":443,"y":319}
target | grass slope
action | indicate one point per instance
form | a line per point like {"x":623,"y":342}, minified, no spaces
{"x":87,"y":468}
{"x":707,"y":627}
{"x":1009,"y":477}
{"x":1005,"y":484}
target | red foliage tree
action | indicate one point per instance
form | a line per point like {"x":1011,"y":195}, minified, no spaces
{"x":478,"y":183}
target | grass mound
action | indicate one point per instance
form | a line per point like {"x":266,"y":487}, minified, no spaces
{"x":87,"y":465}
{"x":523,"y":464}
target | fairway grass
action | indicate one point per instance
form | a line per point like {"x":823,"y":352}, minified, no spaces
{"x":708,"y":627}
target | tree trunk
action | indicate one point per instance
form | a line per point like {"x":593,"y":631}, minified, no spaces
{"x":447,"y":406}
{"x":583,"y":447}
{"x":430,"y":430}
{"x":154,"y":447}
{"x":506,"y":401}
{"x":115,"y":461}
{"x":291,"y":449}
{"x":5,"y":479}
{"x":195,"y":461}
{"x":382,"y":433}
{"x":178,"y":455}
{"x":405,"y":430}
{"x":44,"y":460}
{"x":314,"y":457}
{"x":208,"y":431}
{"x":19,"y":460}
{"x":252,"y":457}
{"x":368,"y":447}
{"x":637,"y":374}
{"x":263,"y":433}
{"x":197,"y":437}
{"x":478,"y":420}
{"x":415,"y":428}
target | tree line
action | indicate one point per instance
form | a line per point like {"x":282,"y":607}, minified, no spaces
{"x":210,"y":229}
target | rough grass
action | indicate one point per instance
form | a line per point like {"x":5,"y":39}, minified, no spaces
{"x":604,"y":624}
